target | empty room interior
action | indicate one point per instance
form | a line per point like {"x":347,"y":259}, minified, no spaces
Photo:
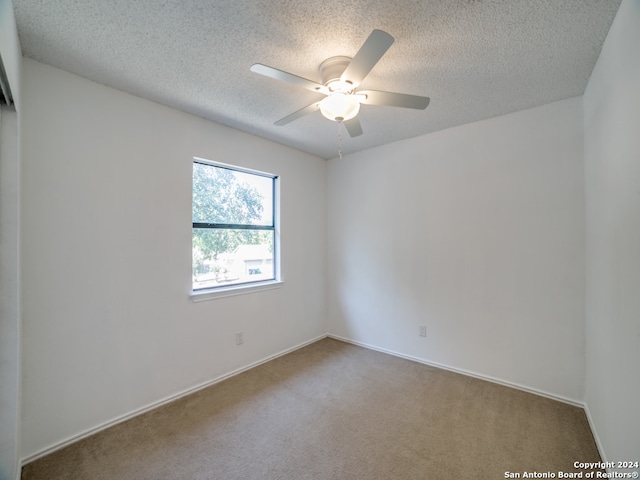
{"x":450,"y":281}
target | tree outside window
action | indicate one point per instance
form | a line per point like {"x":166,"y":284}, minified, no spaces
{"x":233,"y":236}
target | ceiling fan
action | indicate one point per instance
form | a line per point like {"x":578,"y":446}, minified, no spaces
{"x":341,"y":77}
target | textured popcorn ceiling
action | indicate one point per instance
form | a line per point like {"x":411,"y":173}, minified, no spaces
{"x":475,"y":59}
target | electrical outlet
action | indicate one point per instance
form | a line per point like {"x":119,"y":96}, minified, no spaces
{"x":239,"y":338}
{"x":423,"y":330}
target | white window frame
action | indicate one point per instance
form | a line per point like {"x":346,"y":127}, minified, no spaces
{"x":251,"y":287}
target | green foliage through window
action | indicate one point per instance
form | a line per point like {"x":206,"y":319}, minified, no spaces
{"x":233,"y":237}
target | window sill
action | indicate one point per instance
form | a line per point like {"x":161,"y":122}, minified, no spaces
{"x":232,"y":291}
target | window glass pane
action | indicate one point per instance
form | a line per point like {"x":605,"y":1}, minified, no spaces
{"x":231,"y":256}
{"x":221,"y":195}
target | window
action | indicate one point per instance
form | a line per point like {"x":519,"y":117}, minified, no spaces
{"x":234,"y":226}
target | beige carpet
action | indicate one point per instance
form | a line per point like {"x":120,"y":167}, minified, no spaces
{"x":335,"y":411}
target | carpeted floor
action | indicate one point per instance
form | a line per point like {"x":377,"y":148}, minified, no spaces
{"x":330,"y":411}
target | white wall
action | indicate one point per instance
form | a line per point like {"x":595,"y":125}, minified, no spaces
{"x":9,"y":294}
{"x":109,"y":327}
{"x":477,"y":232}
{"x":11,"y":58}
{"x":612,"y":166}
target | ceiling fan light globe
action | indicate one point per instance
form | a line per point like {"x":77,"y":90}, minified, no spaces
{"x":340,"y":107}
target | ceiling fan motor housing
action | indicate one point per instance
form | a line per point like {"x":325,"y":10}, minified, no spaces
{"x":331,"y":69}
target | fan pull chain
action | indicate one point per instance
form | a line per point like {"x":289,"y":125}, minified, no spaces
{"x":340,"y":139}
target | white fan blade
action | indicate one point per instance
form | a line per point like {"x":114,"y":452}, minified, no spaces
{"x":289,"y":78}
{"x":353,"y":127}
{"x":297,"y":114}
{"x":391,"y":99}
{"x":369,"y":54}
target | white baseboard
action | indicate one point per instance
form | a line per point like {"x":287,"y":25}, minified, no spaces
{"x":87,"y":433}
{"x":480,"y":376}
{"x":594,"y":432}
{"x":560,"y":398}
{"x":68,"y":441}
{"x":499,"y":381}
